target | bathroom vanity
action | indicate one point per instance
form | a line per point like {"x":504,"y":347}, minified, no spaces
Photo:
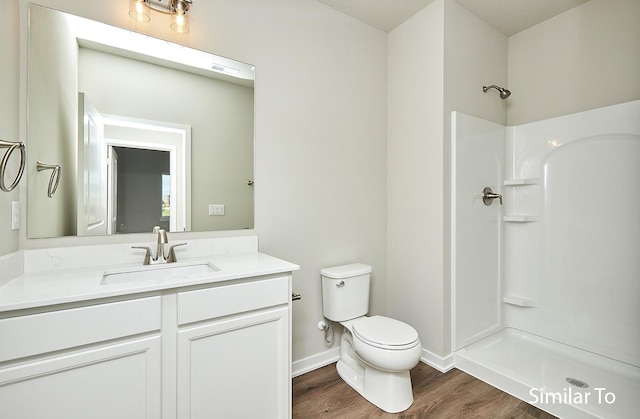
{"x":200,"y":343}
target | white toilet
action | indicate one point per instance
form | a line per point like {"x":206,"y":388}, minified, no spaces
{"x":376,"y":353}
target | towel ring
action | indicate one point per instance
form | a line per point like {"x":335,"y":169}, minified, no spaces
{"x":5,"y":159}
{"x":55,"y":175}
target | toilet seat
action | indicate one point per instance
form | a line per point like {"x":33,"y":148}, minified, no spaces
{"x":385,"y":333}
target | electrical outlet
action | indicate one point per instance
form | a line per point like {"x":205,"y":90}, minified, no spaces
{"x":15,"y":215}
{"x":216,"y":209}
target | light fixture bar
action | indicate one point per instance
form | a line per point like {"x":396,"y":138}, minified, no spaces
{"x":160,"y":6}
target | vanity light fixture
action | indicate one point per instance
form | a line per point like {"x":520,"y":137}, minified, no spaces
{"x":140,"y":10}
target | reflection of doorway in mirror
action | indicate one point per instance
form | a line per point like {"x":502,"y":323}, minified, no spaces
{"x":142,"y":142}
{"x":143,"y":186}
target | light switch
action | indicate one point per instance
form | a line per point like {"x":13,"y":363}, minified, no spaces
{"x":216,"y":209}
{"x":15,"y":215}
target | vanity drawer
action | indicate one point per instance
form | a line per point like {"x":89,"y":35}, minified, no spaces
{"x":45,"y":332}
{"x":224,"y":300}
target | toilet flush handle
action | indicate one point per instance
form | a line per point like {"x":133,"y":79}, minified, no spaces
{"x":340,"y":284}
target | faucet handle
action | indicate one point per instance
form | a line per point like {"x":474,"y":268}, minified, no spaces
{"x":172,"y":253}
{"x":147,"y":255}
{"x":488,"y":196}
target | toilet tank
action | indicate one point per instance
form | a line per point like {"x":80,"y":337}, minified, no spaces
{"x":345,"y":291}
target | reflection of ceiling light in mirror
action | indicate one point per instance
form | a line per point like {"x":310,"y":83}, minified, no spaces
{"x":102,"y":34}
{"x":553,"y":142}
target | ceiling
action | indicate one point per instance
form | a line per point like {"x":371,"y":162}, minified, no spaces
{"x":507,"y":16}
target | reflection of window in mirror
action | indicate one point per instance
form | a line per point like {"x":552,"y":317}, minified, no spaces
{"x":166,"y":196}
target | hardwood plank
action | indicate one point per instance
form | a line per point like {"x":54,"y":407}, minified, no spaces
{"x":455,"y":394}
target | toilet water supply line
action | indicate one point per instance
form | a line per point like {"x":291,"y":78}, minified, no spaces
{"x":327,"y":329}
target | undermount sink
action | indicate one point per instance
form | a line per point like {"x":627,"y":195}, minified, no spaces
{"x":163,"y":272}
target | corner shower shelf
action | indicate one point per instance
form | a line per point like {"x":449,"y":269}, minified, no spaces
{"x":520,"y":218}
{"x":519,"y":301}
{"x":522,"y":181}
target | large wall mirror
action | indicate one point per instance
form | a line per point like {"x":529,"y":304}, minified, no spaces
{"x":131,"y":132}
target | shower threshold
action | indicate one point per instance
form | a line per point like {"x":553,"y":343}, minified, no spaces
{"x":563,"y":380}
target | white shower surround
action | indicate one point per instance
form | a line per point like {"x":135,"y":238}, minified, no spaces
{"x":559,"y":261}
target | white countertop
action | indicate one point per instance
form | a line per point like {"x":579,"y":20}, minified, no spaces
{"x":50,"y":287}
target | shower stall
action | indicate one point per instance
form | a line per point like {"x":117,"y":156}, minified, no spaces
{"x":546,"y":280}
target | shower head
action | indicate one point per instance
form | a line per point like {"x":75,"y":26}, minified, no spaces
{"x":504,"y":93}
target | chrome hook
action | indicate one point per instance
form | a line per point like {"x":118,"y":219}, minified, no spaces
{"x":5,"y":159}
{"x":55,"y":176}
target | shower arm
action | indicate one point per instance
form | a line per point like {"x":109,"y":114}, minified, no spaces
{"x":493,"y":86}
{"x":504,"y":93}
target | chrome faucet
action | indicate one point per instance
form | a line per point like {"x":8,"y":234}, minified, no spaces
{"x":160,"y":256}
{"x":162,"y":240}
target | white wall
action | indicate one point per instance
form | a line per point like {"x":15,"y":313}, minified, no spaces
{"x":475,"y":56}
{"x":9,"y":117}
{"x":415,"y":286}
{"x":438,"y":62}
{"x":585,"y":58}
{"x":320,"y":133}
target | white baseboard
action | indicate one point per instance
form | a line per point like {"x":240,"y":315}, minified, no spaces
{"x":437,"y":362}
{"x":314,"y":362}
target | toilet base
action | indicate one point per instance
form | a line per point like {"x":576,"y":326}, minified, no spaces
{"x":390,"y":391}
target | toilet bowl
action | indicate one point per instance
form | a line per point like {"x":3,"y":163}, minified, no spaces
{"x":385,"y":343}
{"x":377,"y":352}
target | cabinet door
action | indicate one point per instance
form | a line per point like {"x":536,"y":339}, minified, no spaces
{"x":236,"y":367}
{"x":121,"y":380}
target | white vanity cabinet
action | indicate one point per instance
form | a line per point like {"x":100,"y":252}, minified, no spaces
{"x":210,"y":350}
{"x":233,"y":350}
{"x":99,"y":361}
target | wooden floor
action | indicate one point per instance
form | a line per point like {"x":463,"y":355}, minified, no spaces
{"x":455,"y":394}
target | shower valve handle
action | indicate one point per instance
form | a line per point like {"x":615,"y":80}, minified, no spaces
{"x":488,"y":196}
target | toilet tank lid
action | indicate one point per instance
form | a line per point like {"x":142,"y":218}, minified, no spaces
{"x":346,"y":271}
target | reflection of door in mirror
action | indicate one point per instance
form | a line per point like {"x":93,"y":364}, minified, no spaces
{"x":126,"y":135}
{"x":112,"y":190}
{"x":92,"y":198}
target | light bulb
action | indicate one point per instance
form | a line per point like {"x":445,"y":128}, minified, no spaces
{"x":180,"y":21}
{"x":138,"y":10}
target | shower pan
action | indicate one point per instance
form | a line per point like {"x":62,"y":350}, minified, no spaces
{"x":546,"y":288}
